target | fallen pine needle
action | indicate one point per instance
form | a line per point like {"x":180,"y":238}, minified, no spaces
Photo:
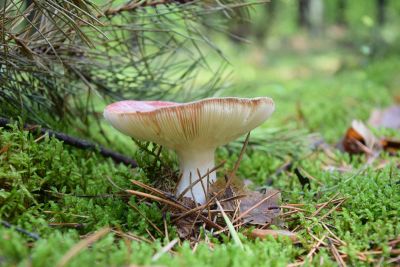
{"x":314,"y":248}
{"x":165,"y":249}
{"x":81,"y":245}
{"x":336,"y":254}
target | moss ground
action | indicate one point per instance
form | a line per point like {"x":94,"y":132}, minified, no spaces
{"x":62,"y":193}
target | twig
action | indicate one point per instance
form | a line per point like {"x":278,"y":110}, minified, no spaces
{"x":76,"y":142}
{"x":21,"y":230}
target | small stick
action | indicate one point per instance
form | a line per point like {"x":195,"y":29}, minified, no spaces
{"x":19,"y":229}
{"x":76,"y":142}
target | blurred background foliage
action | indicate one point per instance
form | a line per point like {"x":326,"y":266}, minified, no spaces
{"x":60,"y":59}
{"x":63,"y":61}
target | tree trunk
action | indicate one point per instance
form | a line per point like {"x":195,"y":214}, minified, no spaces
{"x":303,"y":20}
{"x":340,"y":12}
{"x":316,"y":16}
{"x":381,"y":14}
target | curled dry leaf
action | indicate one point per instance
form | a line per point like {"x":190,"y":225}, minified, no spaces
{"x":259,"y":208}
{"x":359,"y":139}
{"x":386,"y":118}
{"x":390,"y":145}
{"x":263,"y":233}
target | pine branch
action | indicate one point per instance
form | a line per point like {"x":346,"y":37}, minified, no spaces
{"x":131,"y":6}
{"x":55,"y":56}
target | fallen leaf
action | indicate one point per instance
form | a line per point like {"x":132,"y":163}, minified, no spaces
{"x":263,"y":233}
{"x":390,"y":145}
{"x":185,"y":226}
{"x":359,"y":139}
{"x":386,"y":118}
{"x":259,"y":208}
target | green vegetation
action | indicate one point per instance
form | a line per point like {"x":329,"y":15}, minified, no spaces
{"x":46,"y":185}
{"x":64,"y":194}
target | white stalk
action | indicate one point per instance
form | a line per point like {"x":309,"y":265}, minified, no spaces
{"x":193,"y":162}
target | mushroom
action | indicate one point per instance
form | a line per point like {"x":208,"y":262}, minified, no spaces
{"x":193,"y":130}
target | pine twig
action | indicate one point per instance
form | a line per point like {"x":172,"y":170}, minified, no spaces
{"x":76,"y":142}
{"x":21,"y":230}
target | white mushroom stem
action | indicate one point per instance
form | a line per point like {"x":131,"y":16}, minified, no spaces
{"x":191,"y":163}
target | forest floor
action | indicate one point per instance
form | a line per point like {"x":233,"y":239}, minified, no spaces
{"x":62,"y":206}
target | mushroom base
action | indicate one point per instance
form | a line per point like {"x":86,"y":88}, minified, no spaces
{"x":195,"y":164}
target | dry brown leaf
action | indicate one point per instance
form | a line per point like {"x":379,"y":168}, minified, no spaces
{"x":263,"y":233}
{"x":185,"y":225}
{"x":390,"y":145}
{"x":359,"y":139}
{"x":386,"y":118}
{"x":264,"y":207}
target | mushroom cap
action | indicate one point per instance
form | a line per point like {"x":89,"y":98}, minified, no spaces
{"x":206,"y":123}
